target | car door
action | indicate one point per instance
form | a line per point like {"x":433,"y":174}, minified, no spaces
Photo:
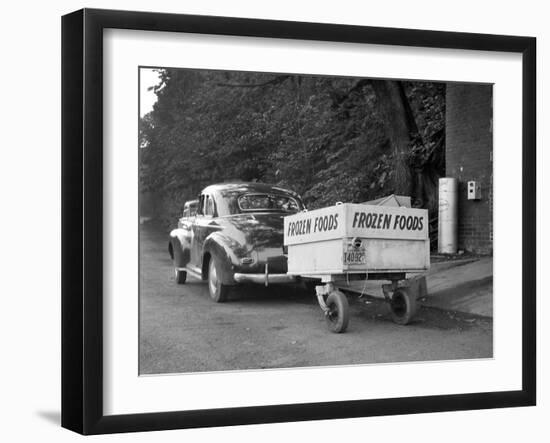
{"x":202,"y":227}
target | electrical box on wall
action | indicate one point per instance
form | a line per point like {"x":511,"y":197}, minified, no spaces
{"x":474,"y":190}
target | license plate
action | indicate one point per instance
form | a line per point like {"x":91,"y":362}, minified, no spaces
{"x":355,"y":256}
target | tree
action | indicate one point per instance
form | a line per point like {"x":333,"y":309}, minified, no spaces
{"x":401,"y":130}
{"x":328,"y":138}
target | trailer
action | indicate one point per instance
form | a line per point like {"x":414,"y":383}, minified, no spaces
{"x":380,"y":241}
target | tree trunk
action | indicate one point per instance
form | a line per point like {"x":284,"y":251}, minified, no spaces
{"x":401,"y":130}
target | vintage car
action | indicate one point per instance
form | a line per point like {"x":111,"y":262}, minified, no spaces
{"x":235,"y":237}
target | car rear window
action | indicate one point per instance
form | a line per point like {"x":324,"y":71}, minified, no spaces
{"x":267,"y":202}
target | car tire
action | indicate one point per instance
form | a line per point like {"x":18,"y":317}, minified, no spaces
{"x":338,"y":315}
{"x":180,"y":276}
{"x":217,"y":290}
{"x":403,"y":306}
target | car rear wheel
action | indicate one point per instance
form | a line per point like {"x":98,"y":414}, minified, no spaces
{"x":218,"y":291}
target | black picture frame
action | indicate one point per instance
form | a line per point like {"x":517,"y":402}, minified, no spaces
{"x":82,"y":215}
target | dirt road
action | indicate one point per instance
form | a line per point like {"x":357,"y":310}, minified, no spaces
{"x":182,"y":330}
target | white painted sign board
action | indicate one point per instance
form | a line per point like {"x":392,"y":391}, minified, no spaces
{"x":392,"y":239}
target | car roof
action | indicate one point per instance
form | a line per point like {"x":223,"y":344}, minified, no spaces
{"x":247,"y":187}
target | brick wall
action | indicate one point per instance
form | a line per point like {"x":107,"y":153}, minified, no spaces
{"x":469,"y":156}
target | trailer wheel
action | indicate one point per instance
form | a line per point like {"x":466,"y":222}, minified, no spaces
{"x":338,"y":314}
{"x":180,"y":276}
{"x":403,"y":306}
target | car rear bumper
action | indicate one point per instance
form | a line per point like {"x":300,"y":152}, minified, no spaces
{"x":264,"y":279}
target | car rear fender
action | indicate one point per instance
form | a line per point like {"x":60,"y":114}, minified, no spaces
{"x":217,"y":245}
{"x":179,"y":247}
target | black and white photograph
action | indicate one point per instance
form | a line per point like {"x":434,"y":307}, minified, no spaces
{"x":292,"y":221}
{"x":296,"y":220}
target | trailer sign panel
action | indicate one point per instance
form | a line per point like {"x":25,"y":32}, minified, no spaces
{"x":320,"y":224}
{"x":377,"y":220}
{"x":356,"y":220}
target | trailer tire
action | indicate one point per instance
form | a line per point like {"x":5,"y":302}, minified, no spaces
{"x":403,"y":306}
{"x":338,"y":315}
{"x":180,"y":276}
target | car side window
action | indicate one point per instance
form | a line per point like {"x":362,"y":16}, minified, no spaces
{"x":209,"y":206}
{"x":200,"y":206}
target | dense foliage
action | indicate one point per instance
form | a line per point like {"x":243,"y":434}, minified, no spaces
{"x":323,"y":137}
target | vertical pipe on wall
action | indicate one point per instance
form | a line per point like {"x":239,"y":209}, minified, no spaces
{"x":448,"y":216}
